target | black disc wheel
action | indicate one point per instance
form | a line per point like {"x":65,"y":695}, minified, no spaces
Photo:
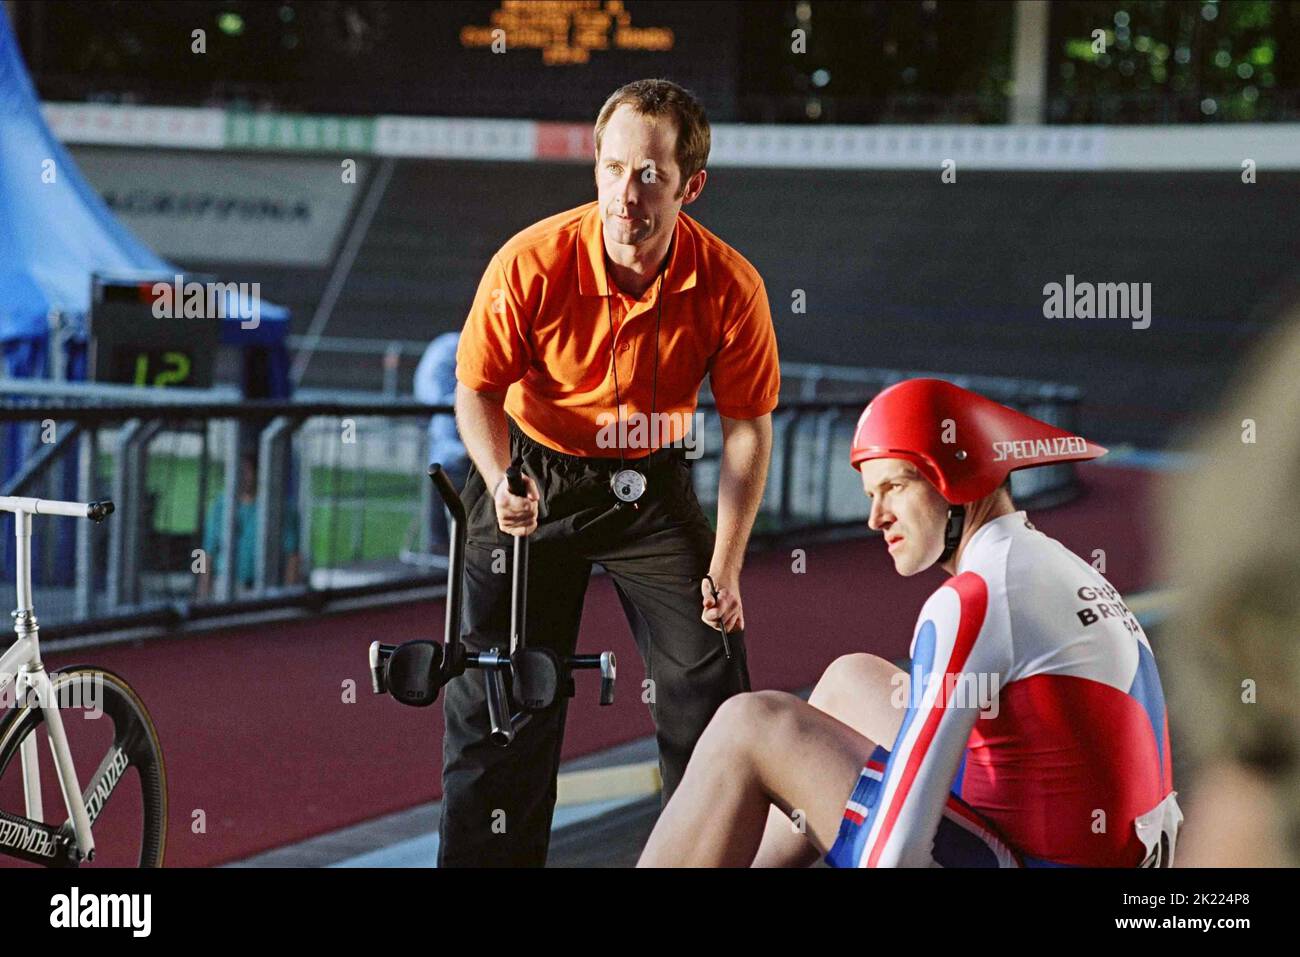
{"x":119,"y":766}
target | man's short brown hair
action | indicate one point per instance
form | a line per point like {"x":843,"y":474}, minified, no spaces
{"x":658,"y":98}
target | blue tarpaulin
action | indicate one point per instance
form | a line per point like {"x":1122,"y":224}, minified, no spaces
{"x":55,"y":232}
{"x":54,"y":229}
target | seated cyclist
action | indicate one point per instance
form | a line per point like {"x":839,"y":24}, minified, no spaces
{"x":1031,"y":730}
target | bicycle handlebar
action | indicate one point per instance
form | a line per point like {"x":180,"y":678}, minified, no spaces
{"x":447,"y":492}
{"x":95,"y":511}
{"x":515,"y":481}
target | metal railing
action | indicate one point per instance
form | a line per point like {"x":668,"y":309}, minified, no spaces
{"x":340,"y":506}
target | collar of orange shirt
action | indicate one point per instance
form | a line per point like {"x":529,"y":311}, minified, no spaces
{"x":593,"y":280}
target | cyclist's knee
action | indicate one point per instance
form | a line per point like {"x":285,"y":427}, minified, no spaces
{"x":746,"y":719}
{"x":849,"y":676}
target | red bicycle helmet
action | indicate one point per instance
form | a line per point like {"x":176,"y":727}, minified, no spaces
{"x":965,"y":444}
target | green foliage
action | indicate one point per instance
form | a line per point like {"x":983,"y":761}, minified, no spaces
{"x":1164,"y":62}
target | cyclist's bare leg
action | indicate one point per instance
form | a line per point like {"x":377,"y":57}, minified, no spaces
{"x":867,"y":693}
{"x":760,"y":749}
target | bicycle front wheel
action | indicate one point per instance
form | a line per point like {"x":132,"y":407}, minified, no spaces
{"x":117,"y":757}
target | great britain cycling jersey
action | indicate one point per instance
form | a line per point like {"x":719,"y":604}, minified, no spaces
{"x":1035,"y":732}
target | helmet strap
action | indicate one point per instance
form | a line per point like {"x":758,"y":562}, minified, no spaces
{"x":952,"y":531}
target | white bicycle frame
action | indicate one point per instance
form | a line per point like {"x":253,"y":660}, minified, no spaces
{"x":21,"y":664}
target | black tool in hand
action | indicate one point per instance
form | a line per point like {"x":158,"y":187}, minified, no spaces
{"x":415,"y":672}
{"x":726,"y":642}
{"x":519,"y":585}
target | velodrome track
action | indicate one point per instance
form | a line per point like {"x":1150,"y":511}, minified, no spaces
{"x":264,"y":750}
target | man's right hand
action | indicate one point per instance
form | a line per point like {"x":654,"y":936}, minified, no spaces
{"x":516,"y":514}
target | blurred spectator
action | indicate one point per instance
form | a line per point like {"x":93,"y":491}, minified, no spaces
{"x":245,"y":535}
{"x":1231,"y":544}
{"x":435,"y":384}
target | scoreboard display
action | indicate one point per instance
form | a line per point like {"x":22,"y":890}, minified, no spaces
{"x":138,"y":338}
{"x":565,"y":33}
{"x":518,"y":59}
{"x":556,"y":59}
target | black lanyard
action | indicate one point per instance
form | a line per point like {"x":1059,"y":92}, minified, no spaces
{"x":629,"y":484}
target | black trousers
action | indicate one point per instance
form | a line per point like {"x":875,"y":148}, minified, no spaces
{"x":497,"y":802}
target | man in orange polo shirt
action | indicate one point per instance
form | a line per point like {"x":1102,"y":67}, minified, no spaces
{"x":583,"y":355}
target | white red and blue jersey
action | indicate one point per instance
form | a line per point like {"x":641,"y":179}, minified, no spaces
{"x":1035,"y":732}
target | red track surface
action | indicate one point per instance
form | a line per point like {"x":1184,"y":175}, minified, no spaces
{"x":257,"y":733}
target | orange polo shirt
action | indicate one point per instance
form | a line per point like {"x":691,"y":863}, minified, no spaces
{"x":539,"y":330}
